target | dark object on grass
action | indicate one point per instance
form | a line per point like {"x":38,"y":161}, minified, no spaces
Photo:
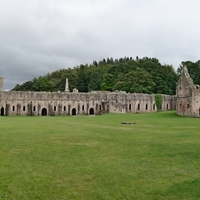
{"x":128,"y":122}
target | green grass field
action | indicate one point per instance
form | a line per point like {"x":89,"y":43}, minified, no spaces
{"x":97,"y":157}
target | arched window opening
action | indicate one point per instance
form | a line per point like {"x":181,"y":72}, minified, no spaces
{"x":54,"y":108}
{"x":154,"y":106}
{"x":24,"y":108}
{"x":91,"y":111}
{"x":82,"y":107}
{"x":100,"y":107}
{"x":73,"y":111}
{"x":138,"y":106}
{"x":64,"y":108}
{"x":129,"y":106}
{"x":13,"y":108}
{"x":34,"y":108}
{"x":146,"y":106}
{"x":44,"y":112}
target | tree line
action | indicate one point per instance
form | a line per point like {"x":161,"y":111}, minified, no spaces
{"x":145,"y":75}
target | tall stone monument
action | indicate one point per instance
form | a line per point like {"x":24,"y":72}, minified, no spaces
{"x":1,"y":84}
{"x":66,"y":85}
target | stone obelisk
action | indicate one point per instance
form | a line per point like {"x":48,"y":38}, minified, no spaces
{"x":1,"y":84}
{"x":66,"y":85}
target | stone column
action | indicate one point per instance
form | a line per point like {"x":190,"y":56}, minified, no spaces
{"x":66,"y":85}
{"x":1,"y":84}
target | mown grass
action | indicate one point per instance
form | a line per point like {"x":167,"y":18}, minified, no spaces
{"x":97,"y":157}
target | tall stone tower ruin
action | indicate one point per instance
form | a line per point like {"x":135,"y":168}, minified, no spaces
{"x":66,"y":85}
{"x":1,"y":84}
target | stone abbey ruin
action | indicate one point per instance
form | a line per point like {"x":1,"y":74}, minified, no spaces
{"x":186,"y":101}
{"x":188,"y":96}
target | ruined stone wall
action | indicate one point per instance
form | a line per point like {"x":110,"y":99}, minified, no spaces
{"x":185,"y":93}
{"x":133,"y":103}
{"x":168,"y":102}
{"x":188,"y":96}
{"x":55,"y":103}
{"x":195,"y":102}
{"x":67,"y":103}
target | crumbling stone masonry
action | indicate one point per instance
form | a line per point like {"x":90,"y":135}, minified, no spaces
{"x":77,"y":103}
{"x":188,"y":96}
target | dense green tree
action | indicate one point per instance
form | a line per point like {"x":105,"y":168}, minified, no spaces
{"x":82,"y":80}
{"x":95,"y":81}
{"x":163,"y":76}
{"x":107,"y":82}
{"x":193,"y":69}
{"x":114,"y":74}
{"x":27,"y":86}
{"x":137,"y":81}
{"x":95,"y":63}
{"x":42,"y":84}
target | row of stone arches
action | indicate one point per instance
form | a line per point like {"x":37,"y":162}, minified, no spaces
{"x":147,"y":107}
{"x":139,"y":107}
{"x":91,"y":111}
{"x":74,"y":111}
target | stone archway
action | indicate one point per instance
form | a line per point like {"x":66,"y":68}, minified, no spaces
{"x":74,"y":111}
{"x":91,"y":111}
{"x":2,"y":112}
{"x":44,"y":112}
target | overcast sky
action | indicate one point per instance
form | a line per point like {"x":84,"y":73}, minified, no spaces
{"x":41,"y":36}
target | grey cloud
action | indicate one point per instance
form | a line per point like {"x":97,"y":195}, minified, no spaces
{"x":37,"y":37}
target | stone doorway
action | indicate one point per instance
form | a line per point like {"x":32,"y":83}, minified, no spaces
{"x":2,"y":111}
{"x":74,"y":111}
{"x":44,"y":112}
{"x":91,"y":111}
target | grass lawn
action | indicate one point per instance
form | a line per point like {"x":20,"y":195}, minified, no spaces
{"x":97,"y":157}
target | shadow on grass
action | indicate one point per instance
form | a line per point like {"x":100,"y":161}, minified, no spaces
{"x":184,"y":190}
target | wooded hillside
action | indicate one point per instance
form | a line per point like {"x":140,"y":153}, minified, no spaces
{"x":146,"y":75}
